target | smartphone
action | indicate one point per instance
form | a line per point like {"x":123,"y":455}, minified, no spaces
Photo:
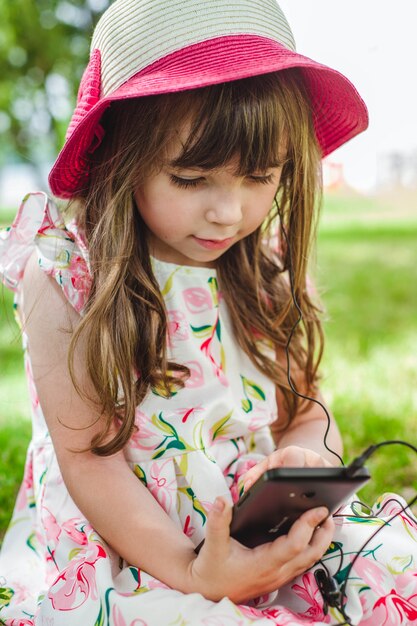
{"x":270,"y":507}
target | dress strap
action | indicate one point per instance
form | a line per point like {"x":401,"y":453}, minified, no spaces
{"x":40,"y":226}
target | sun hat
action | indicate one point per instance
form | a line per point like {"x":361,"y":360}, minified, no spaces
{"x":147,"y":47}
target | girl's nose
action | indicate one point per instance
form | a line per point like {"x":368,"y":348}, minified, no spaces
{"x":225,"y":208}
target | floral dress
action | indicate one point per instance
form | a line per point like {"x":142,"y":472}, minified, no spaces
{"x":188,"y":449}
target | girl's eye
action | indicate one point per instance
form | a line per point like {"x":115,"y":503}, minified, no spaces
{"x":185,"y":182}
{"x":263,"y":180}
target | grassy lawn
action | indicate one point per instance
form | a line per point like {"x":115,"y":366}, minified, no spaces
{"x":367,"y":274}
{"x":367,"y":270}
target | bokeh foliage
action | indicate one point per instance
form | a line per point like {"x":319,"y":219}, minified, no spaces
{"x":44,"y":47}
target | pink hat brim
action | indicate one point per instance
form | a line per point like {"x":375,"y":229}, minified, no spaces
{"x":339,"y":113}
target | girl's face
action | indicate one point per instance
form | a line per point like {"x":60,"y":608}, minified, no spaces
{"x":195,"y":215}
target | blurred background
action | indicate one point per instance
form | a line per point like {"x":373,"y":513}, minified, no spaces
{"x":366,"y":267}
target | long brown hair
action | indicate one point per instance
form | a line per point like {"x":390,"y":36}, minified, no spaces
{"x":125,"y":323}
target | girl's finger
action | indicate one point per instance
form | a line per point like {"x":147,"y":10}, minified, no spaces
{"x":301,"y":532}
{"x":320,"y":541}
{"x":254,"y":473}
{"x":313,"y":459}
{"x":218,"y":529}
{"x":292,"y":456}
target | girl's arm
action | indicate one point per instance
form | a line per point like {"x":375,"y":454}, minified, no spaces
{"x":307,"y":429}
{"x":105,"y":489}
{"x":114,"y":500}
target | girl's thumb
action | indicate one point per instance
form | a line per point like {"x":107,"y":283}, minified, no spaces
{"x":218,"y":525}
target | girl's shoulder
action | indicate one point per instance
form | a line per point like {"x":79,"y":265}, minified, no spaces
{"x":40,"y":227}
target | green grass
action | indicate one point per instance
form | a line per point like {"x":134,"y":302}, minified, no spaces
{"x":367,"y":268}
{"x":15,"y":428}
{"x":367,"y":274}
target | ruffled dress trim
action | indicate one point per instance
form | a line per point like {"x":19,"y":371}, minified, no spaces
{"x":61,"y":252}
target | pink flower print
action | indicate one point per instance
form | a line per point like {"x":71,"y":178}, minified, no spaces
{"x":399,"y":606}
{"x":197,"y":299}
{"x":20,"y":593}
{"x":224,"y":620}
{"x":391,"y":505}
{"x":310,"y":593}
{"x":280,"y":616}
{"x":117,"y":616}
{"x":72,"y":528}
{"x":188,"y":529}
{"x":261,"y":416}
{"x":80,"y":280}
{"x":177,"y":326}
{"x":77,"y":582}
{"x":22,"y":228}
{"x":119,"y":620}
{"x":52,"y":528}
{"x":236,"y":489}
{"x":196,"y":378}
{"x":144,"y":437}
{"x":393,"y":610}
{"x":26,"y":488}
{"x":188,"y":413}
{"x":373,"y":574}
{"x":163,"y":485}
{"x":213,"y":334}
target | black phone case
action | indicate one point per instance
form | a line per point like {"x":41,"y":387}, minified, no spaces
{"x":270,"y":507}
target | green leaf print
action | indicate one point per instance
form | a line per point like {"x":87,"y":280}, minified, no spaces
{"x":100,"y":617}
{"x":161,"y":392}
{"x":74,"y":553}
{"x":176,"y":442}
{"x":158,"y":455}
{"x":220,"y":427}
{"x":247,"y":405}
{"x":31,"y":542}
{"x":218,"y":329}
{"x":372,"y":521}
{"x":202,"y":331}
{"x":6,"y":595}
{"x":198,"y":436}
{"x":197,"y":506}
{"x":182,"y":464}
{"x":252,"y":390}
{"x":335,"y":546}
{"x":168,"y":285}
{"x":180,"y":621}
{"x":138,"y":471}
{"x":163,"y":425}
{"x":214,"y":289}
{"x":400,"y":564}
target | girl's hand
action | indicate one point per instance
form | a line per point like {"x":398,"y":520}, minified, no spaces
{"x":290,"y":456}
{"x":224,"y":567}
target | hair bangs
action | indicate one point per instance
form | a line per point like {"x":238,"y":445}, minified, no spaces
{"x":242,"y":122}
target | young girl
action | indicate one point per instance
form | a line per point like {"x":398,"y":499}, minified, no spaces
{"x":160,"y":317}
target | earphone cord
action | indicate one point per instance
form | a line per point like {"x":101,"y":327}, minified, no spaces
{"x":290,"y":336}
{"x":359,"y":461}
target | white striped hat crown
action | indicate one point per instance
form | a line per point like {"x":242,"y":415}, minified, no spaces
{"x":133,"y":34}
{"x":150,"y":47}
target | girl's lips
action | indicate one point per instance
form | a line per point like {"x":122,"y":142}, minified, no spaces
{"x":214,"y":244}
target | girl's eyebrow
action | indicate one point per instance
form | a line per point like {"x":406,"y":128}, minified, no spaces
{"x":174,"y":164}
